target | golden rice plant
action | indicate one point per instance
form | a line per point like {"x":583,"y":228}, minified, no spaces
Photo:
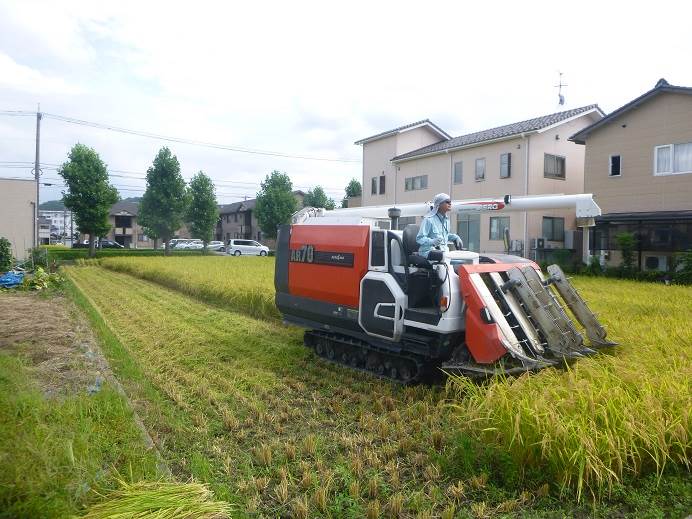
{"x":629,"y":412}
{"x":160,"y":499}
{"x":242,"y":284}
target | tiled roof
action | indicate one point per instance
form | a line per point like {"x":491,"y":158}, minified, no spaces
{"x":426,"y":122}
{"x":130,"y":207}
{"x":661,"y":86}
{"x":500,"y":132}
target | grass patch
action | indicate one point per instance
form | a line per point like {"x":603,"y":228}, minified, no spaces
{"x":239,"y":404}
{"x":54,"y":452}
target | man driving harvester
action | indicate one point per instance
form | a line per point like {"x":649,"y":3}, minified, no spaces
{"x":434,"y":230}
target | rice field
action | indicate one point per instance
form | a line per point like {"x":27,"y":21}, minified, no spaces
{"x":291,"y":420}
{"x":608,"y":416}
{"x":244,"y":284}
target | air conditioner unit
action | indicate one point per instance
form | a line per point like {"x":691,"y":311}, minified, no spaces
{"x":654,"y":262}
{"x":516,"y":246}
{"x":537,"y":243}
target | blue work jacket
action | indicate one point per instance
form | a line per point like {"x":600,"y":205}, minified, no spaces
{"x":435,"y":226}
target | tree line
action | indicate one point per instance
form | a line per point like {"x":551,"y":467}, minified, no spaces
{"x":168,"y":201}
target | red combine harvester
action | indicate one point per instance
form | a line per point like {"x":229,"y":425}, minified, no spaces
{"x":369,"y":301}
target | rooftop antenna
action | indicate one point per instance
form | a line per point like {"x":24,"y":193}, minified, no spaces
{"x":560,"y":97}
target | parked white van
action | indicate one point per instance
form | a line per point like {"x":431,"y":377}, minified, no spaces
{"x":247,"y":247}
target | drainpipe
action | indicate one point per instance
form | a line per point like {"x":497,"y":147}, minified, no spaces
{"x":525,"y":139}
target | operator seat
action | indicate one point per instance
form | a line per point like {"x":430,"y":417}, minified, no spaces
{"x":411,"y":247}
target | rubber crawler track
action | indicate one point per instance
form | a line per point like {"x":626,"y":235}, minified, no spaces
{"x":359,"y":355}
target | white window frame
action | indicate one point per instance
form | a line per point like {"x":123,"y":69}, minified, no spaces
{"x":672,"y":171}
{"x":475,"y":171}
{"x":610,"y":165}
{"x":410,"y":183}
{"x":509,"y":165}
{"x":564,"y":169}
{"x":461,"y":172}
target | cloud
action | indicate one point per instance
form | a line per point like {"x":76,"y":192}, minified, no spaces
{"x":26,"y":79}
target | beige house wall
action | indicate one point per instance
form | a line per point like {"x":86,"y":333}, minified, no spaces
{"x":664,"y":119}
{"x":17,"y":201}
{"x":378,"y":154}
{"x":523,"y":226}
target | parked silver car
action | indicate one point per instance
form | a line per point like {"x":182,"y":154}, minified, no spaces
{"x":246,"y":247}
{"x":216,"y":246}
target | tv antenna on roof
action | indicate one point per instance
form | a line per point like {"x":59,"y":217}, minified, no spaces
{"x":560,"y":97}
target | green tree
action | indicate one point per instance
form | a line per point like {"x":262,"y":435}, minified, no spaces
{"x":627,"y":242}
{"x":89,"y":195}
{"x":353,"y":189}
{"x":275,"y":202}
{"x":5,"y":255}
{"x":318,"y":198}
{"x":165,"y":199}
{"x":203,"y":212}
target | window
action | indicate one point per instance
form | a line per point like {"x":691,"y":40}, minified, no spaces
{"x":505,"y":165}
{"x":553,"y":228}
{"x":458,"y":172}
{"x":123,"y":221}
{"x":498,"y":224}
{"x":614,"y":166}
{"x":416,"y":183}
{"x":235,"y":217}
{"x":382,"y":184}
{"x":672,"y":159}
{"x":469,"y":230}
{"x":377,"y":254}
{"x":373,"y":189}
{"x":553,"y":166}
{"x":480,"y":169}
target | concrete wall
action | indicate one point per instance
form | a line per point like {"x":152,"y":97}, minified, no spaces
{"x":17,"y":199}
{"x":665,"y":119}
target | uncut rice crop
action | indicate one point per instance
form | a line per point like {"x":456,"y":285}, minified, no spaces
{"x":606,"y":417}
{"x":243,"y":284}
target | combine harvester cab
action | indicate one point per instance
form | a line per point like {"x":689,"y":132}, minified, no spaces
{"x":370,"y":302}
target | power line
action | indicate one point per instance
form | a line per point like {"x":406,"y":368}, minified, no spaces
{"x":151,"y":135}
{"x":17,"y":113}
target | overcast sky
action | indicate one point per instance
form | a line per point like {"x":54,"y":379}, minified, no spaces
{"x":309,"y":78}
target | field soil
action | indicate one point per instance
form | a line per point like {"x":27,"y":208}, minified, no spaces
{"x":55,"y":340}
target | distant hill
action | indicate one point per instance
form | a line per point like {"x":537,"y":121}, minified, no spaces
{"x":52,"y":205}
{"x":57,"y":205}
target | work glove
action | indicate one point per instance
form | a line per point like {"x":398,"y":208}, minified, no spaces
{"x":437,"y":242}
{"x":459,"y":244}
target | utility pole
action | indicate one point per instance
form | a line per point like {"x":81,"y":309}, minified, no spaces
{"x":37,"y":172}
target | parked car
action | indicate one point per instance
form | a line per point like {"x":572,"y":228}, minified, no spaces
{"x":216,"y":246}
{"x":109,"y":244}
{"x":178,"y":243}
{"x":195,"y":244}
{"x":247,"y":247}
{"x":103,"y":243}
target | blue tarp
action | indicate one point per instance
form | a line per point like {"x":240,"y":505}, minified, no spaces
{"x":11,"y":279}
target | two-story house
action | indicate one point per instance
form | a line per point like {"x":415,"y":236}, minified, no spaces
{"x":638,"y":165}
{"x":239,"y":220}
{"x":124,"y":227}
{"x":414,"y":162}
